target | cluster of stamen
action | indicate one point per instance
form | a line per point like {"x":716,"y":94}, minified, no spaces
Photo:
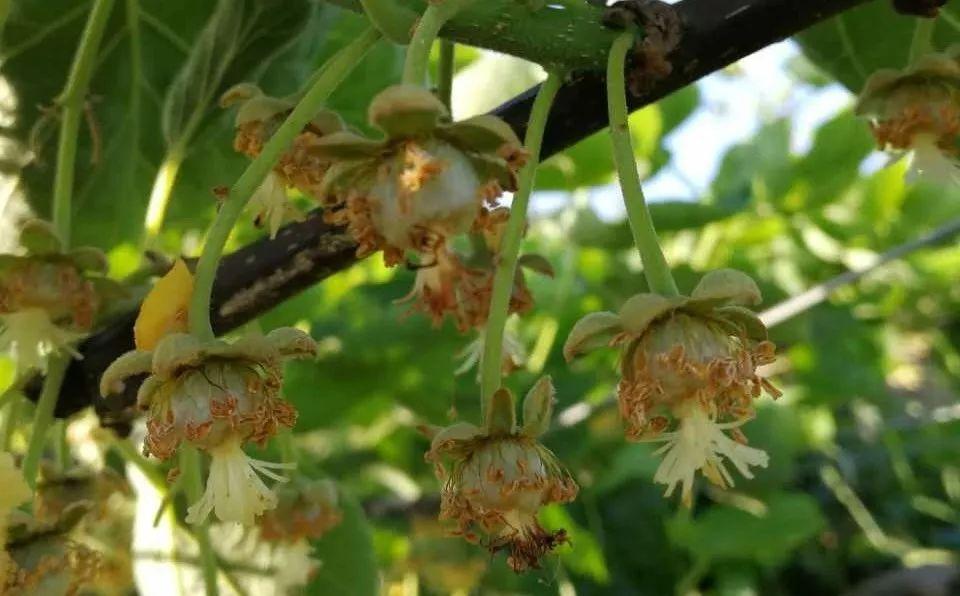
{"x":57,"y":288}
{"x":939,"y":120}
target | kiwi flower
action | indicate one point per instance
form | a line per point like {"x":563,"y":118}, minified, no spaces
{"x":216,"y":396}
{"x":258,"y":117}
{"x":496,"y":478}
{"x":48,"y":298}
{"x":688,"y":375}
{"x":425,"y":181}
{"x":306,"y":510}
{"x":917,"y":110}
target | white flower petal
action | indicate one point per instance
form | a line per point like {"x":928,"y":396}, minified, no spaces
{"x":234,"y":489}
{"x":700,"y":444}
{"x":30,"y":336}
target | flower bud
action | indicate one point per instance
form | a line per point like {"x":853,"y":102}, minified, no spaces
{"x":306,"y":510}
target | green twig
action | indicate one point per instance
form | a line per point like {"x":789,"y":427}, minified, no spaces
{"x":71,"y":102}
{"x":655,"y":266}
{"x":193,"y":477}
{"x":418,"y":53}
{"x":445,"y":68}
{"x":162,"y":189}
{"x":333,"y":73}
{"x":394,"y":21}
{"x":922,"y":43}
{"x":10,"y":419}
{"x":43,"y":417}
{"x":490,"y":371}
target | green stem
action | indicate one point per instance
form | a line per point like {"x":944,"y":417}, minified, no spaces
{"x":71,"y":104}
{"x":125,"y":450}
{"x":162,"y":189}
{"x":448,"y":50}
{"x":395,"y":22}
{"x":922,"y":43}
{"x":10,"y":420}
{"x":418,"y":53}
{"x":43,"y":417}
{"x":193,"y":477}
{"x":333,"y":73}
{"x":655,"y":267}
{"x":490,"y":371}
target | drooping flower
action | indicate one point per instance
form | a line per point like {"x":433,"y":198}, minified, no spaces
{"x":216,"y":396}
{"x":42,"y":557}
{"x":688,"y":375}
{"x":422,"y":184}
{"x":306,"y":510}
{"x":461,"y":287}
{"x":917,"y":111}
{"x":498,"y":477}
{"x":271,"y":205}
{"x":258,"y":118}
{"x":48,"y":297}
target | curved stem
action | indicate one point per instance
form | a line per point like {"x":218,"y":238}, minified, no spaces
{"x":503,"y":280}
{"x":193,"y":477}
{"x":333,"y":73}
{"x":922,"y":43}
{"x":43,"y":417}
{"x":394,"y":21}
{"x":445,"y":68}
{"x":71,"y":103}
{"x":418,"y":53}
{"x":655,"y":267}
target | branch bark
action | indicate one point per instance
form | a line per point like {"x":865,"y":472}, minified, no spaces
{"x":263,"y":274}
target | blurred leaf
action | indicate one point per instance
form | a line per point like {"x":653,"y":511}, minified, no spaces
{"x":348,"y":564}
{"x":768,"y":537}
{"x":832,"y":164}
{"x":583,"y":555}
{"x":240,"y":37}
{"x":590,"y":162}
{"x":848,"y":46}
{"x":668,"y":216}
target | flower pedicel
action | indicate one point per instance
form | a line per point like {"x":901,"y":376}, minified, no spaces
{"x":688,"y":375}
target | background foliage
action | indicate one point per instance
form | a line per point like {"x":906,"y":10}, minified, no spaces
{"x":864,"y":475}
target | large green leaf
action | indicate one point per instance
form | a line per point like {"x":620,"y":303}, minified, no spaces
{"x":766,"y":536}
{"x":348,"y":563}
{"x":857,"y":42}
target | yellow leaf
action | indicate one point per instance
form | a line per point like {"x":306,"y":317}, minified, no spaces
{"x":165,"y":308}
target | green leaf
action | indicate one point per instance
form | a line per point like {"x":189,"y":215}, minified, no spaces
{"x":832,"y":165}
{"x":348,"y":564}
{"x":240,"y":36}
{"x":850,"y":47}
{"x":768,"y":536}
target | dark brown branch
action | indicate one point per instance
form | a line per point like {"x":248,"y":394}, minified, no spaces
{"x":252,"y":280}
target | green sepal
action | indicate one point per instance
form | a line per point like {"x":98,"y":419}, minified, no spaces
{"x":405,"y":111}
{"x":344,"y":145}
{"x":501,"y":416}
{"x":40,"y":238}
{"x":538,"y":407}
{"x":640,"y":310}
{"x":727,"y":286}
{"x":538,"y":263}
{"x":127,"y":365}
{"x":482,"y":134}
{"x":88,"y":258}
{"x":590,"y":332}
